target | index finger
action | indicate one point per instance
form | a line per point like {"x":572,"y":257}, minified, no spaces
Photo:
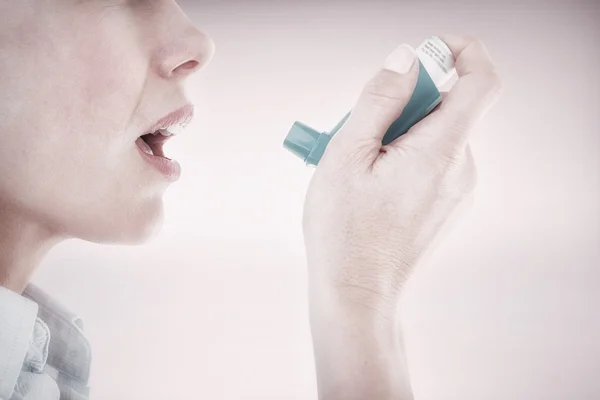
{"x":477,"y":89}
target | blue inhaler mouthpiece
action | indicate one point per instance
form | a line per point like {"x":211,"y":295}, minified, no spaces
{"x":306,"y":143}
{"x":436,"y":66}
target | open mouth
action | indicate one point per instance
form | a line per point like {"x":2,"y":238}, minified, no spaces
{"x":151,"y":146}
{"x":173,"y":124}
{"x":153,"y":143}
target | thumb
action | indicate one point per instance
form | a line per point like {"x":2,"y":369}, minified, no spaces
{"x":381,"y":102}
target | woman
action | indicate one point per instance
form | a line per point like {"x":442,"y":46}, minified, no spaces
{"x":82,"y":81}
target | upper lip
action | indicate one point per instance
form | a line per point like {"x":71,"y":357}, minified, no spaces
{"x":181,"y":116}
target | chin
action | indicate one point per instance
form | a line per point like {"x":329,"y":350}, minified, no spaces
{"x":135,"y":226}
{"x":143,"y":234}
{"x":142,"y":227}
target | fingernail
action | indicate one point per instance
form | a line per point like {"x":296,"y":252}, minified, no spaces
{"x":401,"y":60}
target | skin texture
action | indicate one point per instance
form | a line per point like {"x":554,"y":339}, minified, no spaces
{"x":372,"y":214}
{"x":80,"y":81}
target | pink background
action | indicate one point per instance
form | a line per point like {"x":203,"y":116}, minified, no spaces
{"x":215,"y":307}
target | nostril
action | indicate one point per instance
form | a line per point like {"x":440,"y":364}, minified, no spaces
{"x":189,"y":66}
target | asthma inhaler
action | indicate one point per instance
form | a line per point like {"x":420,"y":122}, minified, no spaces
{"x":435,"y":69}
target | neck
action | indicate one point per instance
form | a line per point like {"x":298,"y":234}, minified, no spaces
{"x":23,"y":245}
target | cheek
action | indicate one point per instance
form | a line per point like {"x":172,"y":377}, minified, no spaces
{"x":77,"y":98}
{"x":71,"y":133}
{"x":68,"y":155}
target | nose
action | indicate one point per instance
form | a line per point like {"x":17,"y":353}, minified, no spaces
{"x":187,"y":52}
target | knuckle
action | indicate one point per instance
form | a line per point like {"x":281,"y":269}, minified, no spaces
{"x":494,"y":83}
{"x":458,"y":190}
{"x":476,"y":42}
{"x":473,"y":39}
{"x":486,"y":86}
{"x":469,"y":183}
{"x":468,"y":178}
{"x":472,"y":43}
{"x":462,"y":121}
{"x":457,"y":175}
{"x":449,"y":161}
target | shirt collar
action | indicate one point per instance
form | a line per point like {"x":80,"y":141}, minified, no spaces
{"x":68,"y":350}
{"x":17,"y":320}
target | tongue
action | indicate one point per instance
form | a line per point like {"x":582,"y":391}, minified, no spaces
{"x":156,"y":143}
{"x":141,"y":143}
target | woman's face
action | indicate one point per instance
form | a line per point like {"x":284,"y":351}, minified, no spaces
{"x":80,"y":81}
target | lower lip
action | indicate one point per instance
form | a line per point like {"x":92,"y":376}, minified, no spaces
{"x":170,"y":169}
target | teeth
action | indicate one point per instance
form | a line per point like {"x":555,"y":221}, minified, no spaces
{"x":171,"y":130}
{"x":176,"y":129}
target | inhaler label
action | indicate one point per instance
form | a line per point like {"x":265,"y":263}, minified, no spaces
{"x":437,"y":59}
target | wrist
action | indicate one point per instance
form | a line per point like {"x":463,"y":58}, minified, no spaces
{"x":358,"y":347}
{"x":371,"y":301}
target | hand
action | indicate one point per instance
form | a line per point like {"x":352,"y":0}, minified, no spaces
{"x":372,"y":213}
